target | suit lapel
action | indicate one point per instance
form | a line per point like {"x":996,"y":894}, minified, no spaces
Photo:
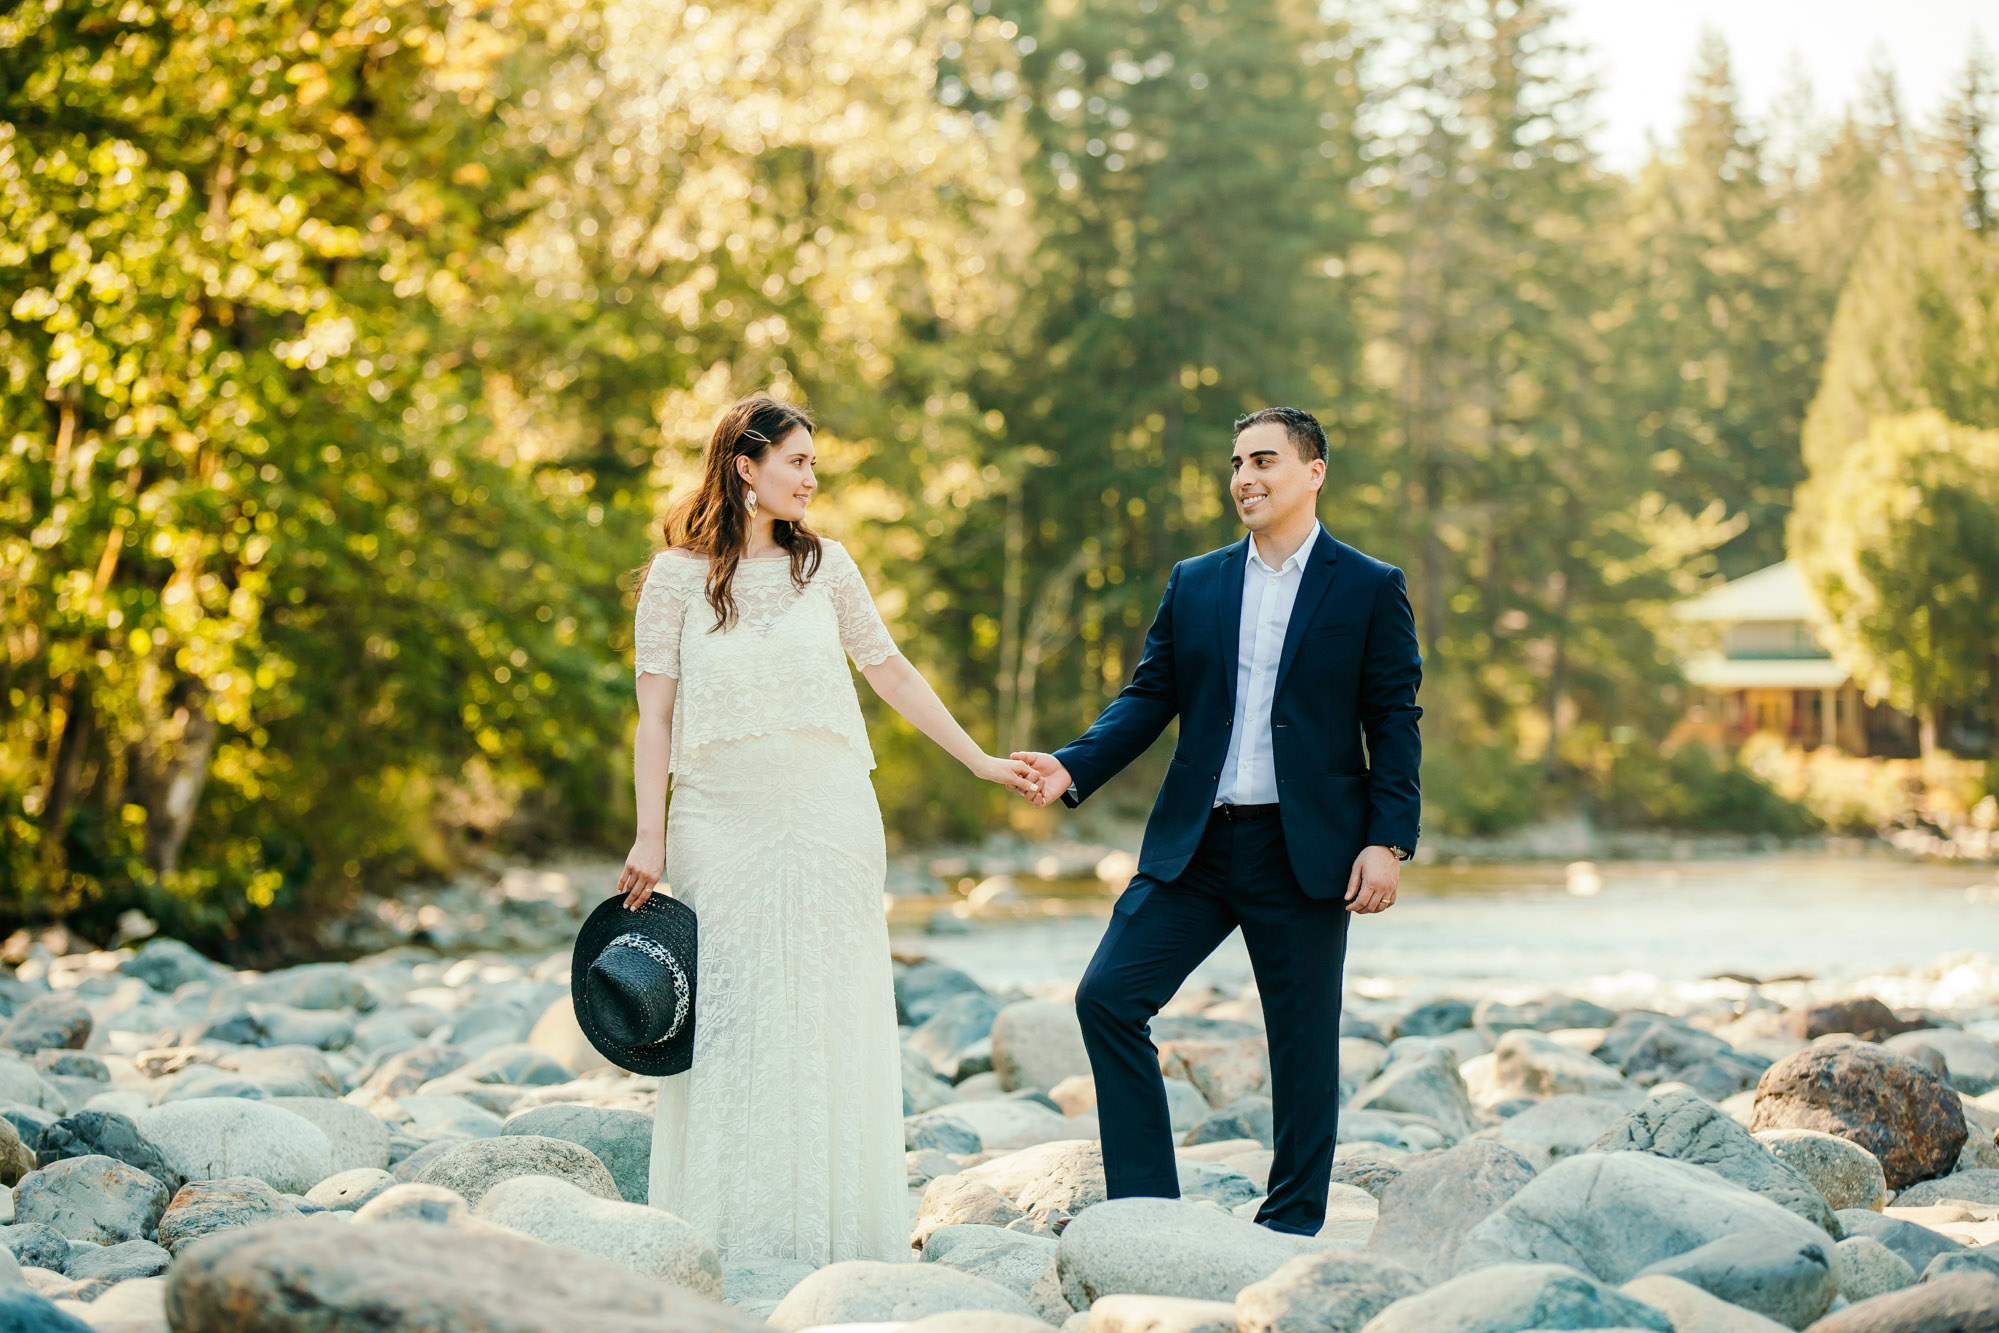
{"x":1228,"y":606}
{"x":1314,"y":579}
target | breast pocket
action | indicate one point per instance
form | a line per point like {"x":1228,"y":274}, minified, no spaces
{"x":1349,"y":628}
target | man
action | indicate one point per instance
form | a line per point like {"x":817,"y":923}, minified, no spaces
{"x":1279,"y":654}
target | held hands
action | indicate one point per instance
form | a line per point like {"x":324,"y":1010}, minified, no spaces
{"x":642,"y":869}
{"x":1376,"y":875}
{"x":1011,"y":773}
{"x":1052,"y":779}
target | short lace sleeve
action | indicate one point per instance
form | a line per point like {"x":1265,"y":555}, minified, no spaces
{"x":656,"y":622}
{"x":862,"y":632}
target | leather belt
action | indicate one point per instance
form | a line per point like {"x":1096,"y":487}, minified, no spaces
{"x":1235,"y":814}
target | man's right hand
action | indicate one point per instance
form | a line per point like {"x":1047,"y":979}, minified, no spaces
{"x":1054,"y":777}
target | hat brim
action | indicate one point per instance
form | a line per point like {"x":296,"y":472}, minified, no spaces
{"x":671,"y":922}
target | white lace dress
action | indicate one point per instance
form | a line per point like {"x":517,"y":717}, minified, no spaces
{"x":785,"y":1136}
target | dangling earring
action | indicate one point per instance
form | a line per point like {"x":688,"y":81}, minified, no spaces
{"x":750,"y":499}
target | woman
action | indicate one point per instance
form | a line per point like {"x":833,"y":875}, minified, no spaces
{"x":785,"y":1136}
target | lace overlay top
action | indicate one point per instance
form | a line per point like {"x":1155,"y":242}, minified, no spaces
{"x":779,"y":667}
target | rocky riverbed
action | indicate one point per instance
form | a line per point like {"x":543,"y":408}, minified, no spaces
{"x":411,"y":1141}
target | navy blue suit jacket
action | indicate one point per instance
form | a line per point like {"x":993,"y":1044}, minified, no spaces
{"x":1348,"y":671}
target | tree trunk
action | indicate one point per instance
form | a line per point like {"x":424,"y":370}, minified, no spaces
{"x":173,"y":770}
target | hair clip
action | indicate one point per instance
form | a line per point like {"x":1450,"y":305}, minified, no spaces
{"x":756,"y":435}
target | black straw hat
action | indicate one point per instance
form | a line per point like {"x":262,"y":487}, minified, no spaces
{"x":631,"y":978}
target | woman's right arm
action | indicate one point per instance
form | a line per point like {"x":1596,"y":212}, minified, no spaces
{"x":652,"y":754}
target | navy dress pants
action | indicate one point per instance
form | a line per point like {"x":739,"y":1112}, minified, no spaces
{"x":1158,"y":933}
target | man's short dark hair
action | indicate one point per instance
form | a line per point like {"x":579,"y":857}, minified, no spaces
{"x":1307,"y":436}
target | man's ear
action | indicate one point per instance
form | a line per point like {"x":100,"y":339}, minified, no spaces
{"x":1318,"y":467}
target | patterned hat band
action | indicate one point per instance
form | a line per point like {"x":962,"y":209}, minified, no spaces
{"x":660,"y":954}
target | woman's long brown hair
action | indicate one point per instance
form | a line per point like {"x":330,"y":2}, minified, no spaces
{"x":715,"y":520}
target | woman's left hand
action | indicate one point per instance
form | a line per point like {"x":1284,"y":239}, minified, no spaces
{"x":1008,"y":773}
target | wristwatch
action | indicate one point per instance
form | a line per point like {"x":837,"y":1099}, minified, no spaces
{"x":1401,"y":853}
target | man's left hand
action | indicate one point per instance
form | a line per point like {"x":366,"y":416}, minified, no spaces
{"x":1376,"y":875}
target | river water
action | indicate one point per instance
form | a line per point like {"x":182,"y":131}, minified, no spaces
{"x":1618,"y":932}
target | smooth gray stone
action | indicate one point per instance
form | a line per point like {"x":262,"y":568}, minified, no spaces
{"x":167,"y":964}
{"x":939,"y":1130}
{"x":1685,"y":1128}
{"x":202,"y":1207}
{"x":1248,"y":1117}
{"x":116,"y":1263}
{"x":1438,"y":1198}
{"x":1775,"y":1275}
{"x":620,"y":1139}
{"x":1169,"y":1247}
{"x":1332,"y":1291}
{"x":1615,"y":1214}
{"x":476,"y":1165}
{"x":1963,"y":1261}
{"x":1421,"y":1080}
{"x":57,"y":1020}
{"x":921,"y":989}
{"x":873,"y":1291}
{"x":1979,"y":1185}
{"x":1514,"y":1298}
{"x":107,"y":1134}
{"x":28,"y":1312}
{"x":36,"y":1245}
{"x":1434,"y":1019}
{"x":1917,"y":1244}
{"x":92,"y":1198}
{"x":1014,"y":1259}
{"x":1868,"y":1268}
{"x":961,"y":1020}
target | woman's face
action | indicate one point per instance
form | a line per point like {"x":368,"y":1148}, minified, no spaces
{"x":783,"y":478}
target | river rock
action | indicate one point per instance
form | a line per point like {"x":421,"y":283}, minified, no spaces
{"x":345,"y":1191}
{"x":1434,"y":1019}
{"x":1978,"y":1186}
{"x":1960,"y":1303}
{"x":959,"y":1022}
{"x":23,"y":1311}
{"x":1845,"y":1174}
{"x":1530,"y":1064}
{"x":1513,"y":1298}
{"x":1916,"y":1244}
{"x":922,"y":988}
{"x":312,"y":986}
{"x":1972,"y":1060}
{"x":36,"y":1245}
{"x":649,"y":1241}
{"x":1884,"y":1101}
{"x":1223,"y":1070}
{"x":1549,"y":1013}
{"x":867,"y":1290}
{"x":1426,"y":1212}
{"x":203,"y":1207}
{"x":94,"y":1198}
{"x":167,"y":964}
{"x":939,"y":1131}
{"x":972,"y":1321}
{"x":407,"y":1070}
{"x":16,"y":1158}
{"x":323,"y":1275}
{"x":1332,"y":1291}
{"x":1561,"y":1126}
{"x":354,"y":1137}
{"x":620,"y":1139}
{"x":1863,"y":1016}
{"x":23,"y":1084}
{"x":1695,"y":1311}
{"x":100,"y":1133}
{"x":118,"y":1262}
{"x":1615,"y":1214}
{"x":1421,"y":1079}
{"x":60,"y":1020}
{"x":1867,"y":1268}
{"x":1037,"y":1044}
{"x":755,"y":1283}
{"x":207,"y":1138}
{"x":1014,"y":1259}
{"x":559,"y":1036}
{"x":1168,"y":1247}
{"x":440,"y":1115}
{"x":476,"y":1165}
{"x":1776,"y":1275}
{"x":1688,"y":1129}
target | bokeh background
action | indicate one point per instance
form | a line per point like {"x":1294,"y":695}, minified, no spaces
{"x":353,"y":352}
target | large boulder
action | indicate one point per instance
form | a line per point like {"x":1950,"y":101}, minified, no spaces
{"x":96,"y":1199}
{"x":860,"y":1291}
{"x":476,"y":1165}
{"x":1690,"y":1129}
{"x":1615,"y":1214}
{"x":649,"y":1241}
{"x":1037,"y":1044}
{"x":1514,"y":1298}
{"x":1427,"y":1210}
{"x":355,"y":1137}
{"x":1169,"y":1247}
{"x":1778,"y":1276}
{"x":207,"y":1138}
{"x":1845,"y":1174}
{"x":1893,"y":1106}
{"x":325,"y":1275}
{"x":1331,"y":1291}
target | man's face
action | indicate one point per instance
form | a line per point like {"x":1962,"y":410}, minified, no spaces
{"x":1270,"y":480}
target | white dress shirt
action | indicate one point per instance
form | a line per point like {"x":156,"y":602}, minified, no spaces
{"x":1249,"y":773}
